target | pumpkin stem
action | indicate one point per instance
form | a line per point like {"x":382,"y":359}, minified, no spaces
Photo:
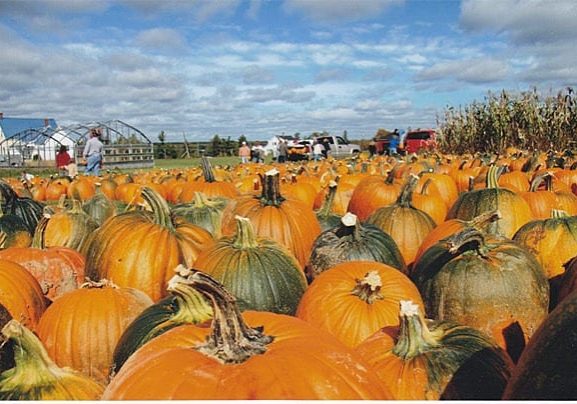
{"x":368,"y":289}
{"x":270,"y":195}
{"x":485,"y":219}
{"x":469,"y":238}
{"x":207,"y":170}
{"x":192,"y":307}
{"x":101,"y":284}
{"x":39,"y":232}
{"x":349,"y":226}
{"x":3,"y":238}
{"x":245,"y":236}
{"x":33,"y":364}
{"x":539,"y":179}
{"x":406,"y":196}
{"x":558,"y":214}
{"x":414,"y":335}
{"x":326,"y":208}
{"x":493,"y":174}
{"x":231,"y":339}
{"x":159,"y":207}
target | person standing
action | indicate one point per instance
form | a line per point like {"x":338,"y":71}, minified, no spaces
{"x":93,"y":154}
{"x":282,"y":151}
{"x":244,"y":153}
{"x":394,"y":142}
{"x":62,"y":161}
{"x":318,"y":149}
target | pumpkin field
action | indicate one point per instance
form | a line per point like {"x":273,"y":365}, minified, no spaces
{"x":448,"y":274}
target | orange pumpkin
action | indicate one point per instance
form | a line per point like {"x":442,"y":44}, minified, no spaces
{"x":354,"y":299}
{"x":253,"y":355}
{"x":81,"y":328}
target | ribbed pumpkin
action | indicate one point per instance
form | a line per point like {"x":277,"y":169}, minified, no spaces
{"x":553,"y":241}
{"x":99,"y":207}
{"x":487,"y":282}
{"x":183,"y":305}
{"x":70,"y":227}
{"x":342,"y":197}
{"x":453,"y":226}
{"x":204,"y":212}
{"x":57,"y":269}
{"x":20,"y":294}
{"x":36,"y":377}
{"x":407,"y":225}
{"x":259,"y":272}
{"x":208,"y":185}
{"x":27,"y":209}
{"x":440,"y":185}
{"x":285,"y":221}
{"x":353,"y":241}
{"x":140,"y":249}
{"x":541,"y":201}
{"x":16,"y":233}
{"x":431,"y":203}
{"x":373,"y":193}
{"x":514,"y":209}
{"x":80,"y":329}
{"x":81,"y":188}
{"x":547,"y":369}
{"x":256,"y":355}
{"x":354,"y":299}
{"x":433,"y":360}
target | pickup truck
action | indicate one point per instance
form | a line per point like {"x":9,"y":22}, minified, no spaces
{"x":417,"y":140}
{"x":338,"y":147}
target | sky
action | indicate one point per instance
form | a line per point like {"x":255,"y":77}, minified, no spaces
{"x":258,"y":68}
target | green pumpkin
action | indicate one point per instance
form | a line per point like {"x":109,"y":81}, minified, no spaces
{"x":27,"y":209}
{"x":183,"y":305}
{"x":460,"y":362}
{"x":13,"y":231}
{"x":515,"y":210}
{"x":351,"y":240}
{"x":547,"y":369}
{"x":99,"y":207}
{"x":487,"y":282}
{"x":259,"y":272}
{"x":204,"y":212}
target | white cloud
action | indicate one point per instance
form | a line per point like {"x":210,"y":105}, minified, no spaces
{"x":472,"y":71}
{"x":161,"y":39}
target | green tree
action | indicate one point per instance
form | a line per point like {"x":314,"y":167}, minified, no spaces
{"x":242,"y":138}
{"x":161,"y":139}
{"x":214,"y":146}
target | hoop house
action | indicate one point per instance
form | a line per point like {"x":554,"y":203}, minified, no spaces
{"x":124,"y":145}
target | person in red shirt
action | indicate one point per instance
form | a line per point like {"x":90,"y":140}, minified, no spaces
{"x":62,"y":160}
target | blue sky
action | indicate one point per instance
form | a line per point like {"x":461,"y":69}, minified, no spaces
{"x":258,"y":68}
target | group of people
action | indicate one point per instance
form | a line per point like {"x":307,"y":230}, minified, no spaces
{"x":255,"y":154}
{"x":92,"y":154}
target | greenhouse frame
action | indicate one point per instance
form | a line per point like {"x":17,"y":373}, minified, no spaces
{"x":124,"y":145}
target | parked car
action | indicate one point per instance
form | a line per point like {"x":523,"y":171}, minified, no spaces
{"x":338,"y":147}
{"x":420,"y":139}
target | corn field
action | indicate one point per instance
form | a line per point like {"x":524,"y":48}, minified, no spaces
{"x":526,"y":121}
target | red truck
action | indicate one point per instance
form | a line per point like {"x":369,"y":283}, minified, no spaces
{"x":420,"y":139}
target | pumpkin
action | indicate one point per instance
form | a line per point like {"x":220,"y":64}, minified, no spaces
{"x":57,"y":269}
{"x":253,"y":355}
{"x":342,"y":196}
{"x":36,"y":377}
{"x":183,"y":305}
{"x":69,"y":227}
{"x":434,"y":360}
{"x":29,"y":210}
{"x":354,"y":299}
{"x":204,"y":212}
{"x":20,"y":294}
{"x":15,"y":231}
{"x":514,"y":209}
{"x":547,"y":369}
{"x":141,"y":248}
{"x":430,"y":203}
{"x":373,"y":193}
{"x":553,"y":241}
{"x":80,"y":329}
{"x":81,"y":188}
{"x":286,"y":221}
{"x":259,"y":272}
{"x":541,"y":201}
{"x":487,"y":282}
{"x":99,"y":207}
{"x":208,"y":185}
{"x":407,"y":225}
{"x":353,"y":241}
{"x":437,"y":184}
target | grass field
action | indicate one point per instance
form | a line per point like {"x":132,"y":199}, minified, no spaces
{"x":158,"y":163}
